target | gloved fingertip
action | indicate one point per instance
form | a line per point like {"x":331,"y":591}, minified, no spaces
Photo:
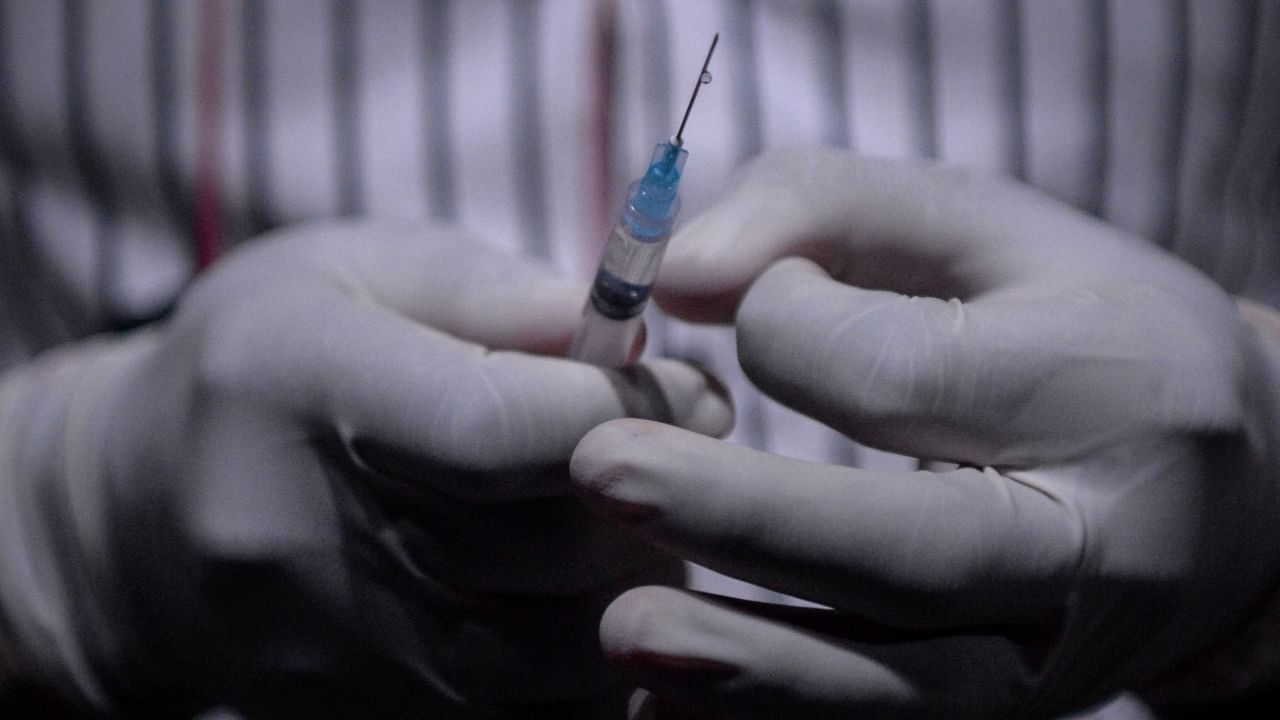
{"x":633,"y":624}
{"x":676,"y":393}
{"x":701,"y":281}
{"x":601,"y":464}
{"x":712,"y":414}
{"x":645,"y":630}
{"x":641,"y":705}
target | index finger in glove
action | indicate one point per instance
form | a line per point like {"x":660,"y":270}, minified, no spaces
{"x":911,"y":228}
{"x":444,"y":277}
{"x":1006,"y":383}
{"x":504,"y":416}
{"x":907,"y":549}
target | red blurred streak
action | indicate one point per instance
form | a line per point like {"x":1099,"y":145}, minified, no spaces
{"x":206,"y":215}
{"x":604,"y":49}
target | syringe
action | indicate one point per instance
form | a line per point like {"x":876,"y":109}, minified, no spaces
{"x":611,"y":318}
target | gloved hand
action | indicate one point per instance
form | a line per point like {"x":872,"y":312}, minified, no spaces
{"x":333,"y":484}
{"x":1115,"y":509}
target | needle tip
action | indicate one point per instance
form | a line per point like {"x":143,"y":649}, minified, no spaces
{"x":704,"y":77}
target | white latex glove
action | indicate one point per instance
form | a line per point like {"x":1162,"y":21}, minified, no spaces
{"x":1115,"y":512}
{"x":333,"y":484}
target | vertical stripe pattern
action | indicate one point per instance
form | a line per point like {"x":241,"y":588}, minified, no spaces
{"x":1263,"y":278}
{"x":607,"y":170}
{"x":527,"y":128}
{"x":1249,"y":196}
{"x":740,"y":41}
{"x":923,"y":100}
{"x":655,"y":97}
{"x":830,"y":33}
{"x":1097,"y":52}
{"x":1175,"y":137}
{"x":1221,"y":51}
{"x":21,"y":290}
{"x":346,"y":108}
{"x":1011,"y":62}
{"x":253,"y":37}
{"x":86,"y":156}
{"x":207,"y":210}
{"x":435,"y":74}
{"x":165,"y":114}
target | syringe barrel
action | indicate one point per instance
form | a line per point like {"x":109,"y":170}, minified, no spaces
{"x":630,"y":264}
{"x":603,"y":341}
{"x":611,"y":317}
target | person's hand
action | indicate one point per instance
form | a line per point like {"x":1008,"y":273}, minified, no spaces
{"x":335,"y":483}
{"x":1115,"y":509}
